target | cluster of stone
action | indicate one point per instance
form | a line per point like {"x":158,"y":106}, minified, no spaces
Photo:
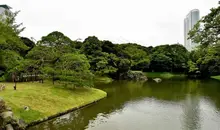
{"x":7,"y":120}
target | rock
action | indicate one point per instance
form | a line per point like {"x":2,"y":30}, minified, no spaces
{"x":135,"y":75}
{"x":26,"y":108}
{"x":9,"y":127}
{"x":8,"y":109}
{"x":21,"y":123}
{"x":158,"y":80}
{"x":2,"y":87}
{"x":2,"y":105}
{"x":7,"y":114}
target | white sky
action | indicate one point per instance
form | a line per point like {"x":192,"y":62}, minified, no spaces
{"x":146,"y":22}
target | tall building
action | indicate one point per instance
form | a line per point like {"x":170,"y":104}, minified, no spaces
{"x":191,"y":19}
{"x":4,"y":8}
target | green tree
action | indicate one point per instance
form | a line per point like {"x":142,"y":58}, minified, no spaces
{"x":10,"y":40}
{"x":138,"y":57}
{"x":105,"y":64}
{"x":169,"y":58}
{"x":58,"y":41}
{"x":9,"y":18}
{"x":11,"y":48}
{"x":74,"y":68}
{"x":28,"y":42}
{"x":91,"y":46}
{"x":206,"y":34}
{"x":206,"y":31}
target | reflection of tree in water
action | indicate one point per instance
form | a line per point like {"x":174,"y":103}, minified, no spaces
{"x":70,"y":120}
{"x":187,"y":92}
{"x":211,"y":89}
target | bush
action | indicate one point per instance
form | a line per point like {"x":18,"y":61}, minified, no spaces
{"x":134,"y":75}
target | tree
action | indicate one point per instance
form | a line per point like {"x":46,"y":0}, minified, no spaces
{"x":28,"y":42}
{"x":169,"y":58}
{"x":44,"y":58}
{"x":74,"y":68}
{"x":58,"y":41}
{"x":206,"y":31}
{"x":108,"y":47}
{"x":2,"y":66}
{"x":180,"y":57}
{"x":9,"y":19}
{"x":9,"y":39}
{"x":160,"y":63}
{"x":105,"y":64}
{"x":138,"y":57}
{"x":123,"y":66}
{"x":192,"y":67}
{"x":91,"y":46}
{"x":11,"y":48}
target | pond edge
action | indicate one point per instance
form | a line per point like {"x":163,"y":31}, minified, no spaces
{"x":33,"y":123}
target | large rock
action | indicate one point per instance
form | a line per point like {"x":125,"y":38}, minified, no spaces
{"x":26,"y":108}
{"x":2,"y":105}
{"x":9,"y":127}
{"x":7,"y":115}
{"x":158,"y":80}
{"x":8,"y":108}
{"x":7,"y":122}
{"x":135,"y":75}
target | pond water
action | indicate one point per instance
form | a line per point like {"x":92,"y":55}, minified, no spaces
{"x":176,"y":104}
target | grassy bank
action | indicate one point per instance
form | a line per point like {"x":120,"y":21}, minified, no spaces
{"x":216,"y":77}
{"x":99,"y":79}
{"x":165,"y":75}
{"x":46,"y":99}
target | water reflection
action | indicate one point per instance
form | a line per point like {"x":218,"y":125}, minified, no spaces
{"x":171,"y":104}
{"x":191,"y":113}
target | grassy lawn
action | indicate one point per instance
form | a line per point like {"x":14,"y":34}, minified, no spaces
{"x":46,"y":99}
{"x":165,"y":75}
{"x":216,"y":77}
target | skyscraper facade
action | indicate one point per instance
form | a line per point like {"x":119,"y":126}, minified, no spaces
{"x":191,"y":19}
{"x":4,"y":8}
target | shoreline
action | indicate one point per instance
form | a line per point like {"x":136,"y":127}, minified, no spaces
{"x":216,"y":77}
{"x":47,"y":101}
{"x":33,"y":123}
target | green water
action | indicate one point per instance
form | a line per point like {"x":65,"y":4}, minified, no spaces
{"x":169,"y":105}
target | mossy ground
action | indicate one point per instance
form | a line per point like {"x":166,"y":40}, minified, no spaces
{"x":165,"y":75}
{"x":46,"y":99}
{"x":103,"y":79}
{"x":216,"y":77}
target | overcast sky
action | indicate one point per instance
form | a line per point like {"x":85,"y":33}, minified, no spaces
{"x":146,"y":22}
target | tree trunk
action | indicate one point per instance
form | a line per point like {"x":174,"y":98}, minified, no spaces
{"x":53,"y":78}
{"x":32,"y":77}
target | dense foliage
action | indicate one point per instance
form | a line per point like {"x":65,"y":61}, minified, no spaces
{"x":59,"y":58}
{"x":205,"y":60}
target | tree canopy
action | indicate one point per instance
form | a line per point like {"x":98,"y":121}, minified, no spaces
{"x":57,"y":57}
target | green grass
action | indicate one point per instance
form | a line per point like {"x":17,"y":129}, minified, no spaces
{"x":165,"y":75}
{"x":46,"y":99}
{"x":99,"y":79}
{"x":216,"y":77}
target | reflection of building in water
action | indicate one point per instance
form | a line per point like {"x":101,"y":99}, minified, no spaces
{"x":191,"y":113}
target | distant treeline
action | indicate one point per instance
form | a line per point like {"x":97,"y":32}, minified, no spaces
{"x":57,"y":57}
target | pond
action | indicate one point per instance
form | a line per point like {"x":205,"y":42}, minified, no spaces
{"x":175,"y":104}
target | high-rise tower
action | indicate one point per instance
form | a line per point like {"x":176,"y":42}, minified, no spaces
{"x":191,"y":19}
{"x":4,"y":8}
